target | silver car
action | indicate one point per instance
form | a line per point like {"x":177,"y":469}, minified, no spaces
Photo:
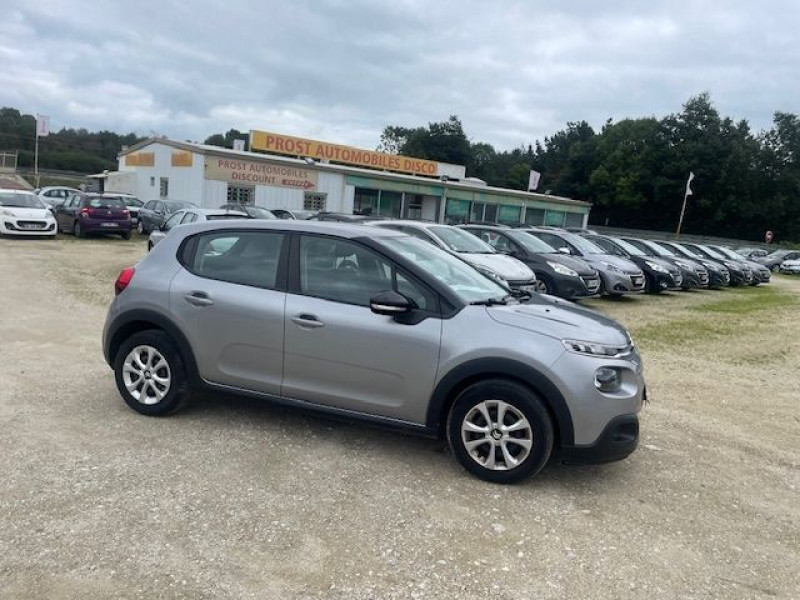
{"x":192,"y":215}
{"x":372,"y":324}
{"x":472,"y":249}
{"x":618,"y":275}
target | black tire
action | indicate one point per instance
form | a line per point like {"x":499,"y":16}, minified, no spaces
{"x":177,"y":390}
{"x":650,"y":286}
{"x":126,"y":235}
{"x":524,"y":401}
{"x":76,"y":229}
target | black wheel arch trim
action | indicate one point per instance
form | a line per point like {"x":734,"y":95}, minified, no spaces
{"x":483,"y":368}
{"x":120,"y":329}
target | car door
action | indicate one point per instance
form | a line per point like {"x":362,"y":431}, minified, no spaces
{"x":67,"y":213}
{"x":229,"y":301}
{"x":337,"y":351}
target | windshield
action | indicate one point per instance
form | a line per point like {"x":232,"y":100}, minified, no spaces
{"x":688,"y":252}
{"x":259,"y":213}
{"x":532,"y":243}
{"x":778,"y":254}
{"x":461,"y":241}
{"x":628,"y":247}
{"x":19,"y":200}
{"x":173,"y":206}
{"x":100,"y":202}
{"x":464,"y":280}
{"x":660,"y":250}
{"x":730,"y":253}
{"x":131,"y":201}
{"x":582,"y":244}
{"x":711,"y":253}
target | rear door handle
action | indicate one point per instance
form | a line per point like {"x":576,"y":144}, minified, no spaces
{"x":198,"y":299}
{"x":306,"y":320}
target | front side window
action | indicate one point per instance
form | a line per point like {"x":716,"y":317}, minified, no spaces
{"x":245,"y":258}
{"x":188,"y":217}
{"x":343,"y":271}
{"x":458,"y":240}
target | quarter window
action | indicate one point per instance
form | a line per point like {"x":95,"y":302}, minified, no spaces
{"x":346,"y":272}
{"x":246,"y":258}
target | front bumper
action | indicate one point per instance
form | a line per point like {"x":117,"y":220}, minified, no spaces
{"x":617,"y":441}
{"x":27,"y":227}
{"x":622,"y":283}
{"x":566,"y":286}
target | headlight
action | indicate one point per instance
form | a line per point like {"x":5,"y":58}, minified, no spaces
{"x":732,"y":266}
{"x":613,"y":268}
{"x":7,"y":213}
{"x":683,"y":265}
{"x":562,"y":270}
{"x":656,"y":267}
{"x":711,"y":267}
{"x":595,"y":349}
{"x":490,"y":274}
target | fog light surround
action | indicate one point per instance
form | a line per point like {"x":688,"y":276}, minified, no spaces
{"x":608,"y":379}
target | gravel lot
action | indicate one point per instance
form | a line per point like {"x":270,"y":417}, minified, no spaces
{"x":237,"y":499}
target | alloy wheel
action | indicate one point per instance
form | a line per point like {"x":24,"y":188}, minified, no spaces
{"x":497,"y":435}
{"x":146,"y":375}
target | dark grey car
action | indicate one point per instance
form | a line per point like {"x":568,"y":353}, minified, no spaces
{"x":374,"y":324}
{"x":155,"y":213}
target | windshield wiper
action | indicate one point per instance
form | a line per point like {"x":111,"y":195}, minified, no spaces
{"x":493,"y":301}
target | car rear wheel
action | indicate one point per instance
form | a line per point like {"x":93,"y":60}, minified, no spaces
{"x":150,"y":374}
{"x":77,"y":230}
{"x":500,"y":431}
{"x":126,"y":235}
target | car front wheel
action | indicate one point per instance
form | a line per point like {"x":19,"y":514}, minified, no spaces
{"x":150,"y":374}
{"x":500,"y":431}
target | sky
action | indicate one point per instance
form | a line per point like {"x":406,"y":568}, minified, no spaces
{"x":342,"y":70}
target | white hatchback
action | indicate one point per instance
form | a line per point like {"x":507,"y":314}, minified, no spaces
{"x":23,"y":213}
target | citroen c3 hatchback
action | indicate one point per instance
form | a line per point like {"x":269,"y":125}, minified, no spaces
{"x":374,"y":324}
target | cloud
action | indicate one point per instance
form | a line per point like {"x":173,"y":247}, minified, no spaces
{"x":341,"y":70}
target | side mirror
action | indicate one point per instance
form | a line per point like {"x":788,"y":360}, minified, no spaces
{"x":564,"y":250}
{"x":390,"y":303}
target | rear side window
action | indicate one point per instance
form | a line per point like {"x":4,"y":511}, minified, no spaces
{"x":242,"y":257}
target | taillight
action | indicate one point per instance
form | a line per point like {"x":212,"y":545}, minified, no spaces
{"x":123,"y":280}
{"x":126,"y":212}
{"x":86,"y":211}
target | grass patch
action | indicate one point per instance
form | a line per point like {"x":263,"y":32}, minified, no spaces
{"x":749,"y":300}
{"x":723,"y":318}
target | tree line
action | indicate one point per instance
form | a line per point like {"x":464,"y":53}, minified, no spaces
{"x":634,"y":171}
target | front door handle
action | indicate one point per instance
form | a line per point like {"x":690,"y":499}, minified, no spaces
{"x":198,"y":299}
{"x":307,"y":320}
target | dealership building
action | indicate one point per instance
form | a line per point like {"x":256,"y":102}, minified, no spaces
{"x":294,"y":173}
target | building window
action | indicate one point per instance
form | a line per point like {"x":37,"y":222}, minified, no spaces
{"x":534,"y":216}
{"x":509,"y":214}
{"x":574,"y":220}
{"x":241,"y":194}
{"x":414,"y":210}
{"x":389,"y":204}
{"x":554,"y":218}
{"x":365,"y":202}
{"x":476,"y":212}
{"x":314,"y":201}
{"x":164,"y":187}
{"x":456,"y":211}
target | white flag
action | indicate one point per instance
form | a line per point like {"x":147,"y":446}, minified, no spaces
{"x":533,"y":180}
{"x":689,"y":191}
{"x":42,"y":126}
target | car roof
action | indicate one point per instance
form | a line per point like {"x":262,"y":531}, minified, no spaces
{"x":17,"y":191}
{"x":213,"y":212}
{"x":410,"y":223}
{"x":343,"y":230}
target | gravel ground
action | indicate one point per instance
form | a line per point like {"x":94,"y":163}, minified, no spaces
{"x":237,"y":499}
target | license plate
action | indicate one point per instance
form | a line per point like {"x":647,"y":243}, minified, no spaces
{"x":109,"y":224}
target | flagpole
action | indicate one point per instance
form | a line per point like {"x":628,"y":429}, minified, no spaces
{"x":36,"y":155}
{"x":680,"y":221}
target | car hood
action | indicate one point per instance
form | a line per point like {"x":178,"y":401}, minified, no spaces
{"x":561,"y":320}
{"x":576,"y":264}
{"x":28,"y":213}
{"x":627,"y":266}
{"x":508,"y":267}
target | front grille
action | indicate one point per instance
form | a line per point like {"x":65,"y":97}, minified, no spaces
{"x":678,"y":278}
{"x":592,"y":283}
{"x":637,"y":280}
{"x":702,"y":275}
{"x":31,"y":225}
{"x":726,"y":275}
